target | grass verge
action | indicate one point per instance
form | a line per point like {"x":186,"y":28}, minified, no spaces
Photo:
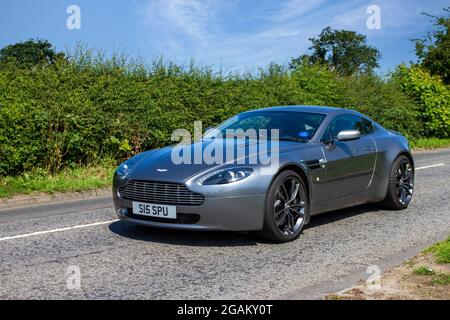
{"x":441,"y":251}
{"x":69,"y":180}
{"x":441,"y":255}
{"x":424,"y":271}
{"x":441,"y":279}
{"x":424,"y":277}
{"x":429,"y":143}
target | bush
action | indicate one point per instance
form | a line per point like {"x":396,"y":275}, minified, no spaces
{"x":316,"y":85}
{"x":432,"y":97}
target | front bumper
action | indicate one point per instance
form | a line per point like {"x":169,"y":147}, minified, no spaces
{"x":233,"y":213}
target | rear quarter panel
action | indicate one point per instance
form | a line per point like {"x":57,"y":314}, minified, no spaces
{"x":389,"y":146}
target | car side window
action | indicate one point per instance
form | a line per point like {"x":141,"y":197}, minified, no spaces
{"x":347,"y":122}
{"x":326,"y":137}
{"x":366,"y":126}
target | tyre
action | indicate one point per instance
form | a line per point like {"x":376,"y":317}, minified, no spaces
{"x":286,"y":208}
{"x":401,"y":184}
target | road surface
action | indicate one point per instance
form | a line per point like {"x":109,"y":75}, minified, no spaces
{"x":76,"y":250}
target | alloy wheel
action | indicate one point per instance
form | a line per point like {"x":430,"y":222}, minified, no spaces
{"x":404,"y":181}
{"x":289,"y":206}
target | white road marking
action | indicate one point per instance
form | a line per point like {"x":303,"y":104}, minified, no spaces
{"x":26,"y":235}
{"x":431,"y":166}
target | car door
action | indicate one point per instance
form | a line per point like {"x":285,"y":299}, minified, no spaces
{"x":349,"y":164}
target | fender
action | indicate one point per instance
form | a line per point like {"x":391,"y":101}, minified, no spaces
{"x":302,"y":169}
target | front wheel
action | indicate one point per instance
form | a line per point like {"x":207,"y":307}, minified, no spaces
{"x":286,"y":208}
{"x":401,"y":184}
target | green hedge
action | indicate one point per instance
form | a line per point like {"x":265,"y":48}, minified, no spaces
{"x":72,"y":113}
{"x":431,"y":96}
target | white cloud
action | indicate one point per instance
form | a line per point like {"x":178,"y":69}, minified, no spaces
{"x":204,"y":29}
{"x":192,"y":18}
{"x":296,"y":8}
{"x":239,"y":33}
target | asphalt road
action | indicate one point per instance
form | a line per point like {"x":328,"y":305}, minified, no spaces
{"x":42,"y":249}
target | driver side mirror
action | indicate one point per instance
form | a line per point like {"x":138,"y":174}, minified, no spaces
{"x":347,"y":135}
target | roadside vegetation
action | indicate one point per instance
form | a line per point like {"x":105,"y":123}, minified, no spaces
{"x":81,"y":178}
{"x":426,"y":276}
{"x":441,"y":251}
{"x":60,"y":112}
{"x":429,"y":143}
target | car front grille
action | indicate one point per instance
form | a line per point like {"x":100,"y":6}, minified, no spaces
{"x":160,"y":193}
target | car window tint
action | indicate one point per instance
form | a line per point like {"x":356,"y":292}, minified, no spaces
{"x":326,"y":137}
{"x":347,"y":122}
{"x":366,"y":126}
{"x":255,"y":122}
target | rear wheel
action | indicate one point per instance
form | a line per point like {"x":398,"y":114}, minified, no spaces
{"x":286,"y":208}
{"x":401,"y":184}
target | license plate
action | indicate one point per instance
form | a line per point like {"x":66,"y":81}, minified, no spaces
{"x":155,"y":210}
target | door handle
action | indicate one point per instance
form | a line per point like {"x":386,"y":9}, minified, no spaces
{"x":369,"y":148}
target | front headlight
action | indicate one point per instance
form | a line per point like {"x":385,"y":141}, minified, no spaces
{"x":123,"y":171}
{"x":225,"y":176}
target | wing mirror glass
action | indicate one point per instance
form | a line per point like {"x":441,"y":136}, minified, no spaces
{"x":347,"y":135}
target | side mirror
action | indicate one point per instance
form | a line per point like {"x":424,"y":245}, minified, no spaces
{"x":347,"y":135}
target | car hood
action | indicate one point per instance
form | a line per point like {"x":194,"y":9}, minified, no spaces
{"x":157,"y":165}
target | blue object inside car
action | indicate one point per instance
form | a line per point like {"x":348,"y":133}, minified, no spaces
{"x":303,"y":135}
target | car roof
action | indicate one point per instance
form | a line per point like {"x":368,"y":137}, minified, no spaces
{"x":303,"y":108}
{"x":326,"y":110}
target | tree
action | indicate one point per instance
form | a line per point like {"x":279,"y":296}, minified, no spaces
{"x":344,"y":51}
{"x":433,"y":51}
{"x":29,"y":53}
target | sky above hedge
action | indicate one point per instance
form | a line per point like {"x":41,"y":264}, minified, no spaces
{"x":234,"y":34}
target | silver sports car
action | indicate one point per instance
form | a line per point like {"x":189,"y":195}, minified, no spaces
{"x":303,"y":161}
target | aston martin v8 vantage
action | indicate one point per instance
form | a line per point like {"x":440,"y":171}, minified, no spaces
{"x":322,"y":159}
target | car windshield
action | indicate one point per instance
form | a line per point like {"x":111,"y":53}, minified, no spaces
{"x":291,"y":125}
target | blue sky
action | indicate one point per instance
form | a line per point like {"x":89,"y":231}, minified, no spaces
{"x":234,"y":34}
